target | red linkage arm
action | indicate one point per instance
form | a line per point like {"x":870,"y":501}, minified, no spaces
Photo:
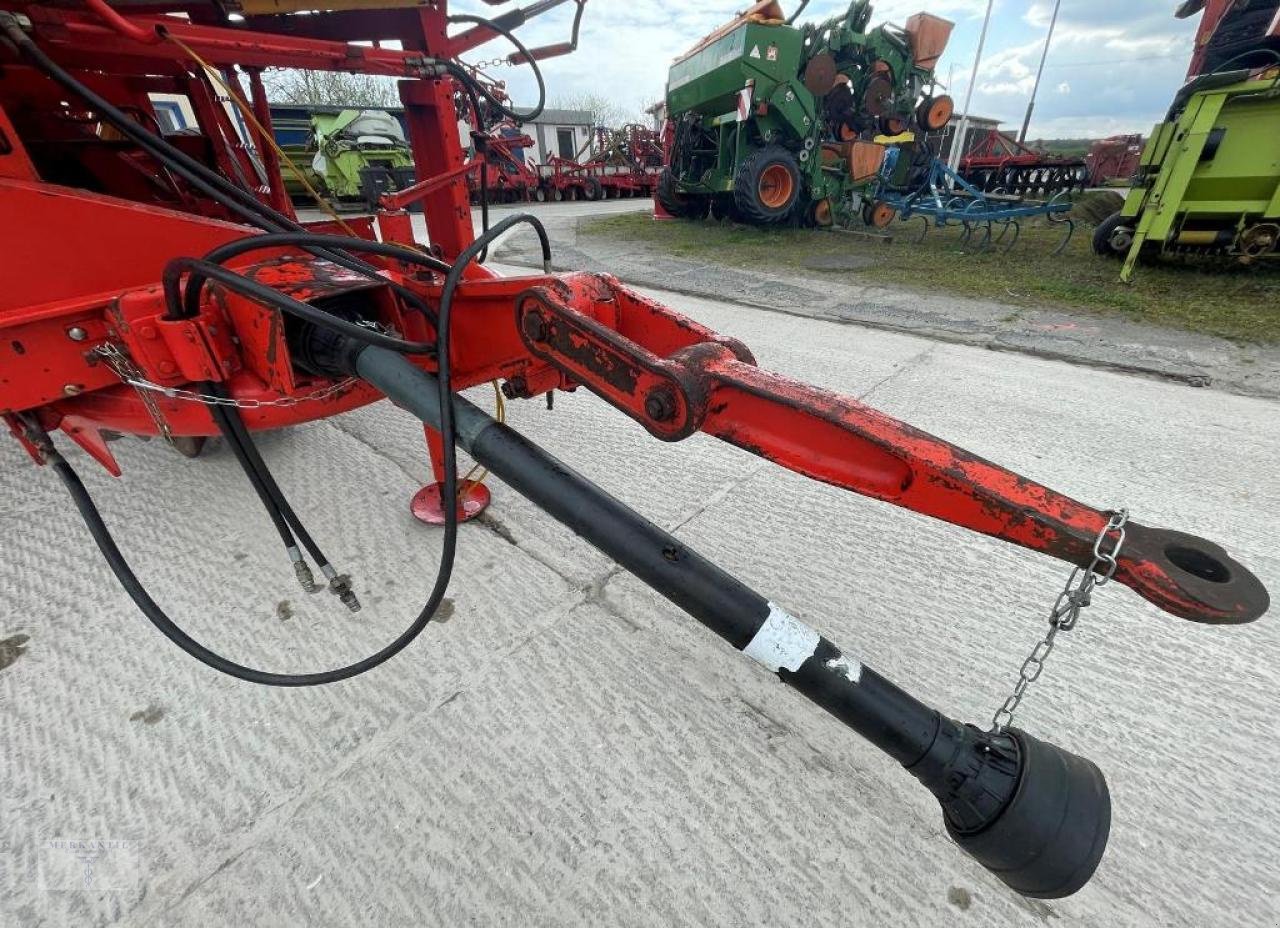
{"x":676,"y":377}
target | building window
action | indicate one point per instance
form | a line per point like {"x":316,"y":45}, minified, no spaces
{"x":565,"y":142}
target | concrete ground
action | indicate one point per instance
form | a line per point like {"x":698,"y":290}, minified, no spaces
{"x":567,"y":748}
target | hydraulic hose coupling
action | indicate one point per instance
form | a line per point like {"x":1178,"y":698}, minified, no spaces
{"x":1033,"y":814}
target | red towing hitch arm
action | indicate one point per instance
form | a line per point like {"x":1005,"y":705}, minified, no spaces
{"x":676,"y":377}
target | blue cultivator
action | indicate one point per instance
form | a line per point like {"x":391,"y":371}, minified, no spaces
{"x":945,"y":197}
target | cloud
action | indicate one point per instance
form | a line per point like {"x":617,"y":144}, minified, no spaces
{"x":1121,"y":60}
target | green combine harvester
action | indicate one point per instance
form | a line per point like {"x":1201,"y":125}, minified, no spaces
{"x":1208,"y":184}
{"x":774,"y":122}
{"x":352,"y":158}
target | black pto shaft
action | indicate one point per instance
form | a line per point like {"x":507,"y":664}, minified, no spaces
{"x":1035,"y":815}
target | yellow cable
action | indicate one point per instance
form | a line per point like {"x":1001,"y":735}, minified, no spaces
{"x":249,"y":117}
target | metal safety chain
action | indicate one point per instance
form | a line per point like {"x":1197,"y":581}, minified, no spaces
{"x":125,"y":369}
{"x":1076,"y":595}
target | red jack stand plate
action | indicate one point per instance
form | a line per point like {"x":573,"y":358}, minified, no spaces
{"x":473,"y":499}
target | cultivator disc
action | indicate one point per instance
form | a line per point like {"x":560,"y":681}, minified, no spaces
{"x":1031,"y":180}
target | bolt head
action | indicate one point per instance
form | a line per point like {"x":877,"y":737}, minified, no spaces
{"x":73,"y":389}
{"x":660,"y":405}
{"x":77,"y":334}
{"x":167,"y":367}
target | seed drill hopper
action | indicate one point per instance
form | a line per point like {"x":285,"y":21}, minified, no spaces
{"x":147,"y":292}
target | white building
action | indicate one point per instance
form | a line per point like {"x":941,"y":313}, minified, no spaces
{"x":567,"y":133}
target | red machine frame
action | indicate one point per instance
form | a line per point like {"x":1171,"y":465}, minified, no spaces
{"x":537,"y":333}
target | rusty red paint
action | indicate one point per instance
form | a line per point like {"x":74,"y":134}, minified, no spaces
{"x":668,"y":372}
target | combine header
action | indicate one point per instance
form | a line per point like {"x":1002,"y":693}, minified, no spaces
{"x":149,"y":291}
{"x":1208,"y":182}
{"x":999,"y":164}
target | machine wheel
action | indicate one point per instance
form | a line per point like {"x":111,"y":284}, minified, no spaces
{"x":878,"y":215}
{"x":767,"y":185}
{"x":1112,"y":237}
{"x":934,"y":113}
{"x":540,"y":194}
{"x":592,"y":190}
{"x":676,"y":203}
{"x":557,"y":194}
{"x":723,"y":207}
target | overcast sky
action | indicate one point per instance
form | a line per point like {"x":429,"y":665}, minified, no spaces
{"x":1113,"y":67}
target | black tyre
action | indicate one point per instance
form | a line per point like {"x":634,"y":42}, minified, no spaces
{"x":676,"y":203}
{"x":722,"y":207}
{"x":1113,"y":236}
{"x":591,"y":189}
{"x":767,"y":186}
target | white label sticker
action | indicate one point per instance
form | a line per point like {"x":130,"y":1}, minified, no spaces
{"x":755,"y":51}
{"x":782,"y":641}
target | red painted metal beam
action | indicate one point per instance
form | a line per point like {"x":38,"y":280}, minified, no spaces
{"x":676,"y":377}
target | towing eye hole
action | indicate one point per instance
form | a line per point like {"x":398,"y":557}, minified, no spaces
{"x":1198,"y":563}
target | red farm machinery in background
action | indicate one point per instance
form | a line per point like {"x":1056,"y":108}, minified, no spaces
{"x":160,"y":285}
{"x":622,"y":162}
{"x":997,"y":163}
{"x":1114,"y":160}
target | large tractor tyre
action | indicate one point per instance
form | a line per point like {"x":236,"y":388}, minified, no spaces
{"x":676,"y":203}
{"x":1113,"y":236}
{"x":767,"y":185}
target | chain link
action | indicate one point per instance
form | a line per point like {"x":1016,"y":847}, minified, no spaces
{"x":124,"y":368}
{"x":129,"y":373}
{"x":1075,"y":596}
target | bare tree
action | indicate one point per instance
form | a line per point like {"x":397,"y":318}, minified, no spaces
{"x":331,"y":88}
{"x":603,"y":110}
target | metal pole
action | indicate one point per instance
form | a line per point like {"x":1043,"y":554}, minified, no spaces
{"x":1026,"y":121}
{"x":957,"y":143}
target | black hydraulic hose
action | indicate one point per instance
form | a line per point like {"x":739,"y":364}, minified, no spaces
{"x":459,"y":72}
{"x":261,"y":293}
{"x":479,"y":142}
{"x":241,"y":202}
{"x":224,"y":253}
{"x":219,"y":415}
{"x":246,"y":451}
{"x":137,"y":592}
